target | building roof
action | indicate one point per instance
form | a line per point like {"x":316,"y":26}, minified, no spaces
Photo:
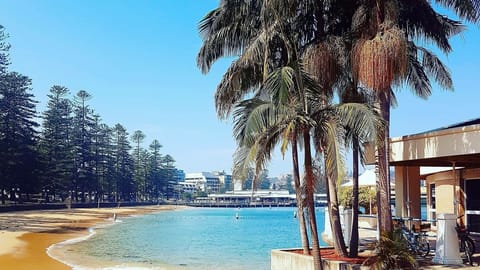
{"x":461,"y":124}
{"x":454,"y":145}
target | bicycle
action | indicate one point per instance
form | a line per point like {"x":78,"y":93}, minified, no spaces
{"x":467,"y":244}
{"x":417,"y":243}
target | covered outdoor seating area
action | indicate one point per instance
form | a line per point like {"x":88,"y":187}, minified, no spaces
{"x":446,"y":162}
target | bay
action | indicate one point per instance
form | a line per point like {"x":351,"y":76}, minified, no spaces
{"x":194,"y":239}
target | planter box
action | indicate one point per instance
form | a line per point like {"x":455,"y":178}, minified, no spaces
{"x":284,"y":259}
{"x":287,"y":259}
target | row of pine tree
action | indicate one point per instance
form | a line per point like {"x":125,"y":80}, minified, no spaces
{"x":67,"y":151}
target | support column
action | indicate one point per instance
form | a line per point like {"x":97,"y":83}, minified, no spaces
{"x":347,"y":225}
{"x":407,"y":191}
{"x":447,"y":250}
{"x":327,"y":231}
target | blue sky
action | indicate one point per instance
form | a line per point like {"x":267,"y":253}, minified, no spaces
{"x":137,"y":58}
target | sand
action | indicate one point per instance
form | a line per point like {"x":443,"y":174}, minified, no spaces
{"x":26,"y":236}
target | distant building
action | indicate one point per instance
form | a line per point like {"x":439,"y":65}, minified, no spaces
{"x":225,"y":180}
{"x":261,"y":197}
{"x":179,"y":175}
{"x":237,"y":185}
{"x":187,"y":187}
{"x":173,"y":185}
{"x":285,"y":181}
{"x":204,"y":181}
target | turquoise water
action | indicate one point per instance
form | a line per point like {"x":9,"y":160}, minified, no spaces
{"x":198,"y":238}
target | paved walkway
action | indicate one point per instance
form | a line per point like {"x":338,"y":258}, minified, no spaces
{"x":368,"y":236}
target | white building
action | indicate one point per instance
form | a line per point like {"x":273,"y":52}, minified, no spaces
{"x":204,"y":181}
{"x":187,"y":187}
{"x":225,"y":179}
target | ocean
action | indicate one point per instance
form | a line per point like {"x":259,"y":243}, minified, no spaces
{"x":190,"y":239}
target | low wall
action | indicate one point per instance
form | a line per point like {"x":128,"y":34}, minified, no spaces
{"x":286,"y":259}
{"x":367,"y":221}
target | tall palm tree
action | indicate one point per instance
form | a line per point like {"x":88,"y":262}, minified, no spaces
{"x":256,"y":142}
{"x":269,"y":119}
{"x":386,"y":29}
{"x":275,"y":35}
{"x":352,"y":94}
{"x":261,"y":48}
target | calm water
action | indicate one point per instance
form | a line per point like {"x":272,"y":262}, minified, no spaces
{"x":198,"y":238}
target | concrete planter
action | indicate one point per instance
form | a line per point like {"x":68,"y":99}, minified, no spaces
{"x":287,"y":259}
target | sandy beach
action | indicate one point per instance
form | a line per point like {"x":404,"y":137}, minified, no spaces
{"x":26,"y":236}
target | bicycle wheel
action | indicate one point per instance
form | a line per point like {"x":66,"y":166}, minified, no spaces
{"x":469,"y":241}
{"x":423,"y":247}
{"x":468,"y":251}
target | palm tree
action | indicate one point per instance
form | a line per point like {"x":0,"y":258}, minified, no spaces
{"x":268,"y":40}
{"x":261,"y":46}
{"x":356,"y":140}
{"x":266,"y":120}
{"x":259,"y":123}
{"x":381,"y":60}
{"x":257,"y":142}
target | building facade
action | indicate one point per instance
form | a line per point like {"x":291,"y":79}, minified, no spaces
{"x":204,"y":181}
{"x":448,"y":159}
{"x":225,"y":180}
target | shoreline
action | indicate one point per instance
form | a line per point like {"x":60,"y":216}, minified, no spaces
{"x":28,"y":237}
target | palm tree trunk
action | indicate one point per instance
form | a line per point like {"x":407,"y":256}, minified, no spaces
{"x":353,"y":250}
{"x":299,"y":194}
{"x":310,"y":201}
{"x":337,"y":235}
{"x":384,"y":213}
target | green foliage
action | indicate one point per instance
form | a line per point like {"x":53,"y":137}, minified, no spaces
{"x":74,"y":154}
{"x":55,"y":145}
{"x":18,"y":135}
{"x":200,"y":193}
{"x":366,"y":196}
{"x":391,"y":252}
{"x":289,"y":185}
{"x":187,"y":196}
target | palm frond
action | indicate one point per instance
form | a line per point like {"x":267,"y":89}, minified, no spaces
{"x":227,"y":31}
{"x":280,"y":83}
{"x":360,"y":119}
{"x":239,"y":80}
{"x":434,"y":67}
{"x":468,"y":9}
{"x":416,"y":78}
{"x":244,"y":74}
{"x":421,"y":22}
{"x":334,"y":152}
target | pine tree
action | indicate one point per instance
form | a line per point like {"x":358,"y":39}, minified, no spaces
{"x":102,"y":159}
{"x":124,"y":165}
{"x":55,"y":144}
{"x":167,"y":172}
{"x":154,"y":176}
{"x":137,"y":138}
{"x":18,"y":156}
{"x":82,"y":139}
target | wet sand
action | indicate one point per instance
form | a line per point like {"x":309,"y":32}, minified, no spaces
{"x":26,"y":236}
